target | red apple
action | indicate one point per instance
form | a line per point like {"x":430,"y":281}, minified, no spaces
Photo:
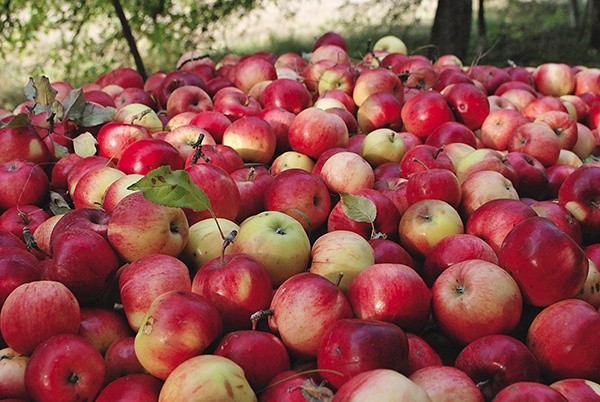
{"x":578,"y":389}
{"x":147,"y":154}
{"x":121,"y":360}
{"x":563,"y":125}
{"x":389,"y":251}
{"x":287,"y":94}
{"x":252,"y":183}
{"x":376,"y":80}
{"x":424,"y":157}
{"x":380,"y":110}
{"x":482,"y":187}
{"x":346,"y":172}
{"x":579,"y":194}
{"x":529,"y":391}
{"x":449,"y":132}
{"x":103,"y":326}
{"x":314,"y":131}
{"x":532,"y":179}
{"x":424,"y":112}
{"x":468,"y":103}
{"x":253,"y":138}
{"x":555,"y":79}
{"x":251,"y":70}
{"x":12,"y":374}
{"x":420,"y":355}
{"x":131,"y":388}
{"x":29,"y":184}
{"x":188,"y":98}
{"x":561,"y":217}
{"x":16,"y":219}
{"x":499,"y":126}
{"x":22,"y":143}
{"x":439,"y":184}
{"x":114,"y":137}
{"x":17,"y":266}
{"x":445,"y":382}
{"x":380,"y":384}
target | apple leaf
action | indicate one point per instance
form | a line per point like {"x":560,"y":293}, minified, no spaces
{"x":85,"y":144}
{"x":358,"y":208}
{"x":74,"y":104}
{"x":172,"y":189}
{"x":60,"y":151}
{"x":40,"y":91}
{"x":57,"y":204}
{"x":20,"y":120}
{"x":94,"y":115}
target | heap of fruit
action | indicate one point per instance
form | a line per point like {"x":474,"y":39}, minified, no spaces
{"x":316,"y":227}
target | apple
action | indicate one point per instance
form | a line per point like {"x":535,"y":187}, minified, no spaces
{"x":253,"y":138}
{"x":91,"y":187}
{"x":451,"y":132}
{"x":84,"y":218}
{"x":555,"y":79}
{"x":532,"y":178}
{"x":130,"y":388}
{"x":139,"y":114}
{"x":445,"y":382}
{"x":439,"y":184}
{"x":528,"y":390}
{"x":454,"y":249}
{"x":579,"y":195}
{"x":114,"y":137}
{"x":340,"y":255}
{"x":300,"y":194}
{"x":493,"y":220}
{"x":577,"y":389}
{"x":417,"y":72}
{"x":280,"y":120}
{"x":381,"y":146}
{"x":485,"y":159}
{"x":286,"y":93}
{"x":207,"y":378}
{"x":491,"y":77}
{"x":133,"y":95}
{"x":124,"y":76}
{"x":354,"y":346}
{"x":389,"y":251}
{"x":425,"y":223}
{"x":277,"y":241}
{"x":188,"y":98}
{"x":586,"y":142}
{"x":146,"y":278}
{"x":61,"y":169}
{"x":556,"y":177}
{"x":177,"y":326}
{"x":468,"y":103}
{"x":213,"y":122}
{"x":542,"y":104}
{"x":424,"y":112}
{"x":561,"y":217}
{"x":499,"y":126}
{"x":566,"y":328}
{"x":187,"y":137}
{"x":237,"y":285}
{"x":252,"y":183}
{"x":482,"y":187}
{"x":205,"y":241}
{"x":293,"y":385}
{"x":16,"y":219}
{"x":420,"y":355}
{"x":251,"y":70}
{"x":588,"y":291}
{"x":530,"y":252}
{"x":12,"y":374}
{"x":17,"y":266}
{"x":424,"y":157}
{"x":84,"y":165}
{"x":346,"y":172}
{"x":329,"y":52}
{"x":103,"y":326}
{"x":146,"y":154}
{"x":314,"y":131}
{"x":379,"y":110}
{"x":22,"y":143}
{"x":392,"y":293}
{"x":121,"y":360}
{"x":260,"y":354}
{"x":118,"y":190}
{"x":291,"y":160}
{"x":380,"y":384}
{"x":24,"y":318}
{"x":140,"y":227}
{"x":304,"y":301}
{"x":376,"y":80}
{"x":219,"y":155}
{"x":495,"y":361}
{"x":29,"y":184}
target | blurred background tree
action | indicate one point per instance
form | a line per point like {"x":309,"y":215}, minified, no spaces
{"x":77,"y":40}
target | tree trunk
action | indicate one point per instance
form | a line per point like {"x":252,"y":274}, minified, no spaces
{"x":451,"y":29}
{"x":574,"y":14}
{"x":126,"y":28}
{"x":595,"y":21}
{"x":481,"y":29}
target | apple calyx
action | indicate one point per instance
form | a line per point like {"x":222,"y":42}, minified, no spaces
{"x":73,"y":378}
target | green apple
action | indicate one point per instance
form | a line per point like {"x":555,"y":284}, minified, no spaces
{"x":341,"y":252}
{"x":276,"y":240}
{"x":382,"y":145}
{"x":390,"y":44}
{"x":205,"y":241}
{"x":140,"y":114}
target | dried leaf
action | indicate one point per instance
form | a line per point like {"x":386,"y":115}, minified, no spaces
{"x":20,"y":120}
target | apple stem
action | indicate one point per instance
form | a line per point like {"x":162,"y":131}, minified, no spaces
{"x":255,"y":317}
{"x":226,"y":242}
{"x":420,"y":162}
{"x":377,"y":235}
{"x":198,"y":150}
{"x":30,"y":242}
{"x":339,"y":280}
{"x":251,"y":173}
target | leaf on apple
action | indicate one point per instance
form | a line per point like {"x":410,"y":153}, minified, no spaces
{"x":74,"y":104}
{"x":57,"y":204}
{"x":358,"y":208}
{"x":60,"y":151}
{"x":172,"y":189}
{"x":85,"y":145}
{"x":94,"y":115}
{"x":20,"y":120}
{"x":40,"y":91}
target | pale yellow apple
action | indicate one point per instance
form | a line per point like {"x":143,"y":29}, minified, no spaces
{"x":205,"y":241}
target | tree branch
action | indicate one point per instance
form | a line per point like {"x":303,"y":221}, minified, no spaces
{"x":126,"y":28}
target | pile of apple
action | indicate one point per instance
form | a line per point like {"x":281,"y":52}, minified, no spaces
{"x":286,"y":227}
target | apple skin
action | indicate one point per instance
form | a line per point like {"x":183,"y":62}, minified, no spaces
{"x":474,"y":298}
{"x":380,"y":110}
{"x":237,"y":285}
{"x":253,"y":138}
{"x":570,"y":328}
{"x":29,"y":184}
{"x":561,"y":217}
{"x":578,"y":389}
{"x":529,"y":391}
{"x":451,"y":132}
{"x":286,"y":93}
{"x":188,"y":98}
{"x":468,"y":103}
{"x":12,"y":374}
{"x":380,"y":384}
{"x":354,"y":346}
{"x":300,"y":194}
{"x":22,"y":143}
{"x":579,"y":194}
{"x":493,"y":220}
{"x":22,"y":330}
{"x":389,"y":251}
{"x":118,"y":190}
{"x":392,"y":293}
{"x":306,"y":300}
{"x":346,"y":171}
{"x":499,"y":126}
{"x":114,"y":137}
{"x":423,"y":157}
{"x":277,"y":241}
{"x":482,"y":187}
{"x":445,"y":382}
{"x":340,"y":255}
{"x":102,"y":326}
{"x":563,"y":125}
{"x":207,"y":378}
{"x":439,"y":184}
{"x":139,"y":227}
{"x":205,"y":241}
{"x":555,"y":79}
{"x":293,"y":385}
{"x":537,"y":140}
{"x":177,"y":326}
{"x":314,"y":131}
{"x":17,"y":266}
{"x":424,"y":112}
{"x":67,"y":367}
{"x":84,"y":218}
{"x":532,"y":178}
{"x":530,"y":252}
{"x":453,"y":249}
{"x":244,"y":348}
{"x":376,"y":80}
{"x":147,"y":154}
{"x":141,"y":281}
{"x":131,"y":388}
{"x":16,"y":219}
{"x":386,"y":220}
{"x":420,"y":354}
{"x":121,"y":359}
{"x":496,"y":361}
{"x":92,"y":186}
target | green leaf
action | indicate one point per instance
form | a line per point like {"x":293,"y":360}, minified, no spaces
{"x":57,"y":204}
{"x":172,"y":189}
{"x":358,"y":208}
{"x":20,"y":120}
{"x":60,"y":151}
{"x":74,"y":104}
{"x":94,"y":115}
{"x":85,"y":145}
